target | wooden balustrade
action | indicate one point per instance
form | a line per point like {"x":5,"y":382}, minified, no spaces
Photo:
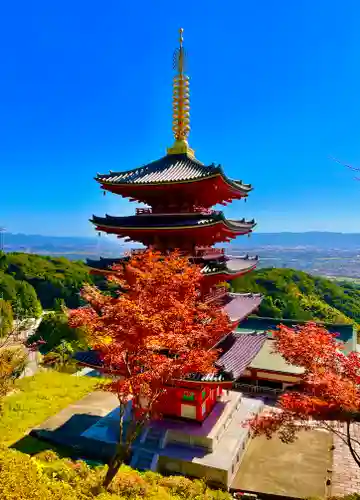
{"x":208,"y":251}
{"x":217,"y":293}
{"x":175,"y":210}
{"x":143,"y":211}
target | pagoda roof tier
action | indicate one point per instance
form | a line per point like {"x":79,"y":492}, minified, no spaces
{"x":210,"y":229}
{"x":231,"y":268}
{"x":236,"y":353}
{"x":175,"y":177}
{"x":105,"y":264}
{"x":222,"y":271}
{"x":240,"y":305}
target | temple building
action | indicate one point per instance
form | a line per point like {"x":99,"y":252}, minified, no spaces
{"x":200,"y":434}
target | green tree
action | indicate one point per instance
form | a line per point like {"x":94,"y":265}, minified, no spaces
{"x":54,"y":330}
{"x":27,"y":300}
{"x":6,"y":318}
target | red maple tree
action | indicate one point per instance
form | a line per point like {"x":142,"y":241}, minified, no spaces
{"x":328,"y":394}
{"x":154,"y":330}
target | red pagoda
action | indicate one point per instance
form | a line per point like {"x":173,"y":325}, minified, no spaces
{"x":179,"y":192}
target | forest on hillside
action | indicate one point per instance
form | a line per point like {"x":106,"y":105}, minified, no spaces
{"x":297,"y":295}
{"x":35,"y":282}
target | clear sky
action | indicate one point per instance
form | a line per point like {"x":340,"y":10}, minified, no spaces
{"x":85,"y":87}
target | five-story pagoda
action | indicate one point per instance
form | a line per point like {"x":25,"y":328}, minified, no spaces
{"x":179,"y":192}
{"x":201,"y":434}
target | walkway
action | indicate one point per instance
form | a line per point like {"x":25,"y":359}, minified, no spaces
{"x":346,"y":473}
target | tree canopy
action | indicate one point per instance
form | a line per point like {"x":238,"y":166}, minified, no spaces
{"x":52,"y":278}
{"x":291,"y":294}
{"x":328,"y":391}
{"x":154,"y":331}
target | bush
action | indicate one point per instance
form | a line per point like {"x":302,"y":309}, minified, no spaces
{"x":46,"y":476}
{"x":12,"y":363}
{"x":54,"y":330}
{"x":21,"y":478}
{"x":6,"y":318}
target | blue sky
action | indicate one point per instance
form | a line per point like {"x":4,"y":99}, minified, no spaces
{"x":85,"y":87}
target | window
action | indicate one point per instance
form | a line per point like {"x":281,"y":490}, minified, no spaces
{"x":188,"y":396}
{"x":188,"y":411}
{"x":203,"y":408}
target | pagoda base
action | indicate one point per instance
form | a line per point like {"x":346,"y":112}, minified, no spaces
{"x":212,"y":450}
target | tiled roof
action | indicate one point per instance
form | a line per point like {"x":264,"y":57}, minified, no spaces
{"x":347,"y":332}
{"x":231,"y":266}
{"x":165,"y":221}
{"x":103,"y":263}
{"x":239,"y":351}
{"x":170,"y":168}
{"x":242,"y":304}
{"x":89,"y":358}
{"x":267,"y":359}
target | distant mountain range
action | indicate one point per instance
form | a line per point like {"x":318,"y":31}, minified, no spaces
{"x":82,"y":247}
{"x":313,"y":239}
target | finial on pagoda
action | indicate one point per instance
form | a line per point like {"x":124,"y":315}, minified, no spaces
{"x":181,"y":103}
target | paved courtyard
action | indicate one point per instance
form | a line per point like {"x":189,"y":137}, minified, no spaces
{"x":346,"y":473}
{"x":295,"y":470}
{"x":269,"y":466}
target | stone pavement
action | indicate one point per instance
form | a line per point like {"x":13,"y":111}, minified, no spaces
{"x":346,"y":473}
{"x":66,"y":427}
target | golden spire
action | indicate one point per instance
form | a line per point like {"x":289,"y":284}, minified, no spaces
{"x":181,"y":104}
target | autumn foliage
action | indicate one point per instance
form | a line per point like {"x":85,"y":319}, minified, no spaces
{"x":154,"y":330}
{"x":329,"y":391}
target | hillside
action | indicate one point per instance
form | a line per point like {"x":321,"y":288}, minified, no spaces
{"x":50,"y":279}
{"x":297,"y":295}
{"x":28,"y":280}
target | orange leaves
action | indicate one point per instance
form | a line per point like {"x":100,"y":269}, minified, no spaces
{"x":330,"y":386}
{"x":308,"y":345}
{"x":155,"y":330}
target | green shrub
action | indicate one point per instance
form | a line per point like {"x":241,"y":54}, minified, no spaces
{"x":21,"y":478}
{"x":47,"y":477}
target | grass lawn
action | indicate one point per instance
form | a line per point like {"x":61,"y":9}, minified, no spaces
{"x":38,"y":398}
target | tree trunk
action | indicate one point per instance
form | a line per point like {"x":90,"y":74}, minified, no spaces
{"x":350,"y":444}
{"x":121,"y":456}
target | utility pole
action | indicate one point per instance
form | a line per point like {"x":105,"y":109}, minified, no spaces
{"x":2,"y":231}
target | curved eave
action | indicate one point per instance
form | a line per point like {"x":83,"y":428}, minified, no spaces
{"x":241,"y":306}
{"x":96,"y":270}
{"x":226,"y":190}
{"x":201,"y":381}
{"x":231,"y":228}
{"x":230,"y":275}
{"x":233,"y":184}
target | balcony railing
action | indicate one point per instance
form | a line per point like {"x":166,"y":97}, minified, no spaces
{"x":175,"y":210}
{"x":216,"y":294}
{"x":143,"y":211}
{"x":200,"y":252}
{"x":249,"y":388}
{"x":208,"y":251}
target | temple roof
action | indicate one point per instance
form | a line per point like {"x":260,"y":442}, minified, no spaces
{"x":239,"y":350}
{"x":168,"y":169}
{"x":231,"y":266}
{"x":173,"y":221}
{"x":240,"y":305}
{"x":227,"y":267}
